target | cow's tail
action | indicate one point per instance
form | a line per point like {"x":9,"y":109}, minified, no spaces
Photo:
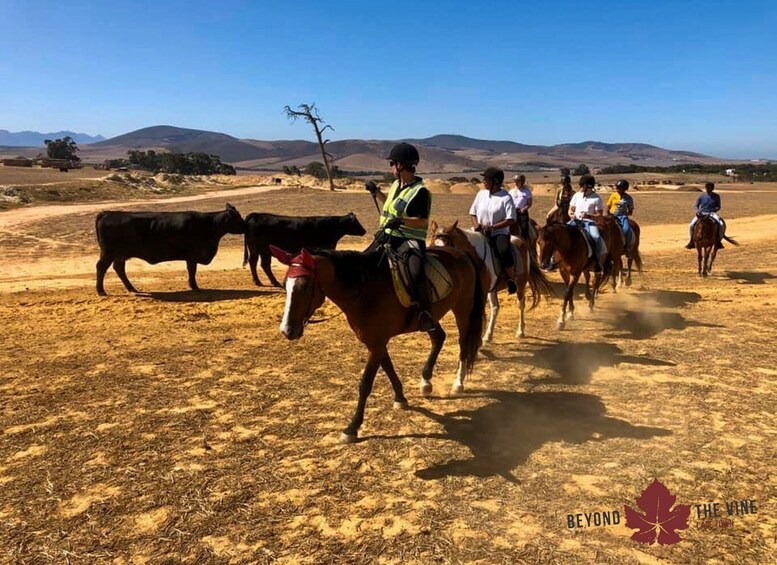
{"x":245,"y":253}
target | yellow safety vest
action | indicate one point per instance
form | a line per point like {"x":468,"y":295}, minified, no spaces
{"x":396,"y":206}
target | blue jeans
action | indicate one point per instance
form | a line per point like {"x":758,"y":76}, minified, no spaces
{"x":626,"y":227}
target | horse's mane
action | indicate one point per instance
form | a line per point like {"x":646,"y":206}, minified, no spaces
{"x":355,"y":268}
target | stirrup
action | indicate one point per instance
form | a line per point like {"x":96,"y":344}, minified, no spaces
{"x":425,"y":321}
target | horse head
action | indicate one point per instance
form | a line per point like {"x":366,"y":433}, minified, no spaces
{"x":303,"y":293}
{"x":548,"y":242}
{"x":446,"y":236}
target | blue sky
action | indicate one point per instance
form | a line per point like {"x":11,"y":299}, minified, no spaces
{"x":684,"y":75}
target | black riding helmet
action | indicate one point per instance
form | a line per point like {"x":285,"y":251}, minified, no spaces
{"x":587,"y":181}
{"x":404,"y":153}
{"x":493,"y":173}
{"x":623,"y":183}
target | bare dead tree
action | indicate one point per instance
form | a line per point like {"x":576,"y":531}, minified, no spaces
{"x":310,"y":113}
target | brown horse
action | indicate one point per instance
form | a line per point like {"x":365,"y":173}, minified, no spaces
{"x":478,"y":247}
{"x":569,"y":245}
{"x":360,"y":285}
{"x":613,"y":239}
{"x":705,"y":238}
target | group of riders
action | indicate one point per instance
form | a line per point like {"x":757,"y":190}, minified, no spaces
{"x":497,"y":213}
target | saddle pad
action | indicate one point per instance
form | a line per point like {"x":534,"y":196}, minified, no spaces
{"x":440,"y":281}
{"x":588,"y":242}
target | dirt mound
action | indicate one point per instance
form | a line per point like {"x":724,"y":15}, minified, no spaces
{"x":465,"y":188}
{"x":436,"y":186}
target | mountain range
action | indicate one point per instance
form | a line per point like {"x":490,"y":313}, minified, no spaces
{"x":440,"y":153}
{"x":36,"y":139}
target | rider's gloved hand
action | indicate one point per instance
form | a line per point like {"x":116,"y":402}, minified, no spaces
{"x":393,"y":223}
{"x":371,"y":187}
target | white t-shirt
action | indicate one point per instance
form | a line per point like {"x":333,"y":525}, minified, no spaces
{"x":521,"y":197}
{"x":585,"y":204}
{"x":490,"y":209}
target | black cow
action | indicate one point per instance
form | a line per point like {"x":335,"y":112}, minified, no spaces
{"x":161,"y":236}
{"x":292,"y":234}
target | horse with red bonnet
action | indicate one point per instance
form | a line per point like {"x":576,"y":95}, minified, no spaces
{"x":360,"y":284}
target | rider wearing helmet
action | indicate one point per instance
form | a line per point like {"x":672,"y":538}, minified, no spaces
{"x":404,"y":223}
{"x":584,"y":208}
{"x":492,"y":213}
{"x":707,"y":204}
{"x":563,"y":197}
{"x":621,"y":205}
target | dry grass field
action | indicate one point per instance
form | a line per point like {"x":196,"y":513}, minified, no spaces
{"x":181,"y":427}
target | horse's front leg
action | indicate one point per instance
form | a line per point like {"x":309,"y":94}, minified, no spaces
{"x":493,"y":301}
{"x":350,"y":434}
{"x":569,"y":301}
{"x":399,"y":396}
{"x":706,"y":261}
{"x":628,"y":273}
{"x":698,"y":253}
{"x":437,"y":336}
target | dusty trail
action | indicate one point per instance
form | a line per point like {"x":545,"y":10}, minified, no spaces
{"x":180,"y":427}
{"x":20,"y":217}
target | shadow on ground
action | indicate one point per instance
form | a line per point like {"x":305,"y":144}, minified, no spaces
{"x":750,"y":277}
{"x":672,"y":298}
{"x":504,"y":433}
{"x":574,"y":362}
{"x":644,"y":325}
{"x":204,"y":295}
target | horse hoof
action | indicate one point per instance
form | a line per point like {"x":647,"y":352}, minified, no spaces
{"x":520,"y":335}
{"x":487,"y":339}
{"x":457,"y":389}
{"x":348,"y":438}
{"x":426,"y":388}
{"x":571,"y":316}
{"x":560,"y":325}
{"x":401,"y":405}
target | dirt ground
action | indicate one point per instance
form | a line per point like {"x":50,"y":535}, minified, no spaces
{"x":175,"y":426}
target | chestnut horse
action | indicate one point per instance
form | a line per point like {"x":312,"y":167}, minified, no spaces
{"x":705,"y":238}
{"x":569,"y":245}
{"x":360,"y":284}
{"x":632,"y":257}
{"x":477,"y":245}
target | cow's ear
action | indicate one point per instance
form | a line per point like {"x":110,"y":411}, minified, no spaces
{"x":281,"y":255}
{"x":230,"y":207}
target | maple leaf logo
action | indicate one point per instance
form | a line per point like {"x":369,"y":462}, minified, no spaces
{"x":659,"y":520}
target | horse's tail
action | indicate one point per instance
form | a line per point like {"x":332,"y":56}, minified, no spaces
{"x":731,"y":240}
{"x":538,"y":282}
{"x":471,"y":342}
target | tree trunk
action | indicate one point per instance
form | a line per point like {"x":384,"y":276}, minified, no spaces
{"x":324,"y":156}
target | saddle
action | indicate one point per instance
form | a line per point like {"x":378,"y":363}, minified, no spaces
{"x":589,"y":241}
{"x":440,"y":282}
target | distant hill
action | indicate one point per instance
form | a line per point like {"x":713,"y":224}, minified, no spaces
{"x":36,"y":139}
{"x":440,"y":153}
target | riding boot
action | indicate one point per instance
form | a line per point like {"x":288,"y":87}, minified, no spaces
{"x":424,"y":299}
{"x":512,"y":287}
{"x":690,"y":245}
